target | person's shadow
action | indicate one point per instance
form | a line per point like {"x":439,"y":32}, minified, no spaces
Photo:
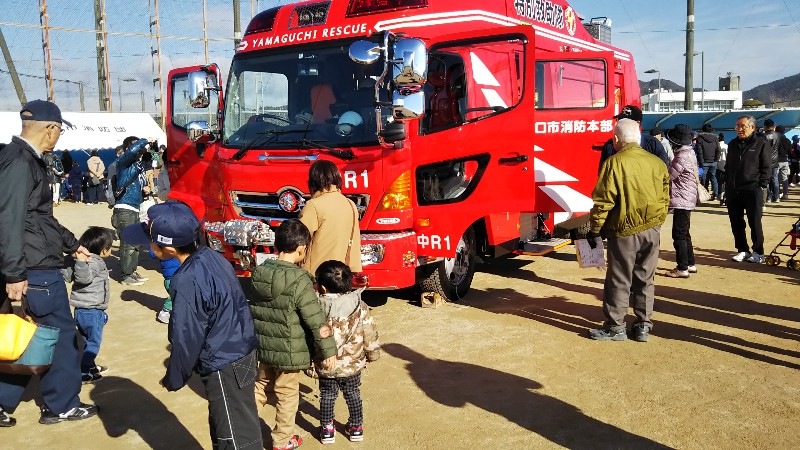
{"x":124,"y":406}
{"x":457,"y":384}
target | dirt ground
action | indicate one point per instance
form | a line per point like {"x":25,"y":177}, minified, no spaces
{"x":510,"y":366}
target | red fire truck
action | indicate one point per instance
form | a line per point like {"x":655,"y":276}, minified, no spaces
{"x":463,"y":130}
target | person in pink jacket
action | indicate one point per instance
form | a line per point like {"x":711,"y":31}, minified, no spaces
{"x":682,"y":199}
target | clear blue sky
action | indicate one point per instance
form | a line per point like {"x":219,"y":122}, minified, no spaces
{"x":757,"y":40}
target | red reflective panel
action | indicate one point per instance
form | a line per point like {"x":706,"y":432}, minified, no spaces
{"x":263,"y":21}
{"x":363,"y":7}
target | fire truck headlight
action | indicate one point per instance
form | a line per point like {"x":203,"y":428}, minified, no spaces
{"x":372,"y":254}
{"x":214,"y":243}
{"x":398,"y":196}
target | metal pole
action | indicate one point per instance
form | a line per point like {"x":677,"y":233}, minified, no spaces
{"x":702,"y":81}
{"x":142,"y":101}
{"x":12,"y":70}
{"x":237,"y":27}
{"x":658,"y":95}
{"x":688,"y":103}
{"x":46,"y":44}
{"x":162,"y":105}
{"x":80,"y":90}
{"x":205,"y":33}
{"x":109,"y":92}
{"x":101,"y":65}
{"x":119,"y":93}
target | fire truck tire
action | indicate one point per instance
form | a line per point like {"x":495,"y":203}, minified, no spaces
{"x":453,"y":276}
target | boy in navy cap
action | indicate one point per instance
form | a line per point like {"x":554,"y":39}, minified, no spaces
{"x":211,"y":329}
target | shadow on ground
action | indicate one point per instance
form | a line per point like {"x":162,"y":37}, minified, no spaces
{"x":458,"y":384}
{"x":126,"y":406}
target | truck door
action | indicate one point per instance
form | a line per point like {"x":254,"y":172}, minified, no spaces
{"x":473,"y":157}
{"x":575,"y":104}
{"x":188,"y":162}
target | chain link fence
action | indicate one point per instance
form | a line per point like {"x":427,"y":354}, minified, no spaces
{"x":133,"y":59}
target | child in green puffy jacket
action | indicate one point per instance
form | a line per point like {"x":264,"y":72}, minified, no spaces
{"x":284,"y":307}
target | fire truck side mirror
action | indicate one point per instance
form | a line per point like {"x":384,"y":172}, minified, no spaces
{"x":199,"y":131}
{"x":199,"y":83}
{"x":408,"y":104}
{"x":364,"y":52}
{"x":410,"y":62}
{"x":393,"y":132}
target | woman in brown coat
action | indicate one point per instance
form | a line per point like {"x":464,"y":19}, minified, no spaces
{"x":332,"y":220}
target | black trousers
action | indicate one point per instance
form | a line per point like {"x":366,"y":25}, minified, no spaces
{"x":681,"y":238}
{"x":232,"y":414}
{"x":351,"y":389}
{"x":751,"y":203}
{"x":47,"y":303}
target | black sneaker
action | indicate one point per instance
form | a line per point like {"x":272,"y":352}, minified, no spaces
{"x":327,"y":433}
{"x":98,"y":369}
{"x":83,"y":411}
{"x":87,"y":378}
{"x":602,"y":334}
{"x":354,"y":432}
{"x":6,"y":420}
{"x":640,"y":333}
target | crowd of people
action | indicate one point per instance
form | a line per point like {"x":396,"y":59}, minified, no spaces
{"x":635,"y":192}
{"x":247,"y":351}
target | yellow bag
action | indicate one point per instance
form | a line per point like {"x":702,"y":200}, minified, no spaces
{"x":15,"y":334}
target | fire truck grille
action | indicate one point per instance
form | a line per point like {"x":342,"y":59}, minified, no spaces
{"x":265,"y":206}
{"x":309,"y":15}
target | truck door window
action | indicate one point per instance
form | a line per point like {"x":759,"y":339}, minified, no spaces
{"x":571,"y":84}
{"x":469,"y":82}
{"x":449,"y":181}
{"x":182,"y":112}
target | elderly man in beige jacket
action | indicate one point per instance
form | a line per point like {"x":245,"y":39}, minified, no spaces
{"x":332,"y":220}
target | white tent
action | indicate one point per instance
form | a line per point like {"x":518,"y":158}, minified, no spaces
{"x":91,"y":131}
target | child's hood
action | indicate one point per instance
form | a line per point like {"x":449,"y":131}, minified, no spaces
{"x":341,"y":305}
{"x":272,"y":278}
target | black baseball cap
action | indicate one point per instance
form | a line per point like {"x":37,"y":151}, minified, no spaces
{"x":42,"y":111}
{"x":630,"y":112}
{"x":171,"y":223}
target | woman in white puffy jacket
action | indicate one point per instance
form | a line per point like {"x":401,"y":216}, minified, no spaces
{"x":683,"y":199}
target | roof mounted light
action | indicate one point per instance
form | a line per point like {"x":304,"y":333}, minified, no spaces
{"x":365,"y":7}
{"x":263,"y":21}
{"x":309,"y":15}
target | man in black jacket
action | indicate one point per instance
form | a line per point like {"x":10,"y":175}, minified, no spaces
{"x":747,"y":172}
{"x":32,"y":247}
{"x":647,"y":142}
{"x":709,"y":152}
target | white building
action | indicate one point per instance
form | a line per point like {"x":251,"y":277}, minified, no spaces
{"x":673,"y":101}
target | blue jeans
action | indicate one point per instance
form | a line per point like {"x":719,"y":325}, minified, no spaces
{"x":710,"y":171}
{"x":47,"y":303}
{"x":774,"y":186}
{"x":90,"y":325}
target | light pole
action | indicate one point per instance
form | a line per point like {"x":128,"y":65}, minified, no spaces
{"x":119,"y":89}
{"x":658,"y":93}
{"x":702,"y":79}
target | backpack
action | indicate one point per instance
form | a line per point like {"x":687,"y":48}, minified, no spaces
{"x":111,"y":185}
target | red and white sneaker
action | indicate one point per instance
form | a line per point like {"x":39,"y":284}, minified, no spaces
{"x":354,"y":432}
{"x":327,"y":433}
{"x":294,"y":442}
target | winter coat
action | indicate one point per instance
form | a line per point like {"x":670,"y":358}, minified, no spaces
{"x":31,"y":237}
{"x":749,"y":164}
{"x":90,"y":288}
{"x":54,"y":169}
{"x":210,"y":325}
{"x":128,"y":166}
{"x":96,"y":167}
{"x":773,"y":143}
{"x":75,"y":176}
{"x":632,"y":193}
{"x":784,"y":148}
{"x":683,"y":179}
{"x":288,"y":317}
{"x":649,"y":143}
{"x":354,"y":330}
{"x":331,"y":219}
{"x":708,"y":144}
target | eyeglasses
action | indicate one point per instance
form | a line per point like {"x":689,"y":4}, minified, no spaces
{"x":58,"y":127}
{"x":742,"y":127}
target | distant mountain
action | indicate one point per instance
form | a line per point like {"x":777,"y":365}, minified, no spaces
{"x":781,"y":93}
{"x":646,"y":87}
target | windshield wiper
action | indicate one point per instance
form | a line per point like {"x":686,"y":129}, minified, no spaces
{"x":346,"y":155}
{"x":272,"y":134}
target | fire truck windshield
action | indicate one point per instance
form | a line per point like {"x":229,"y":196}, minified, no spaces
{"x":319,"y":94}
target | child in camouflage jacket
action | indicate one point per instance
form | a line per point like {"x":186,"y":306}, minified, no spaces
{"x":356,"y":335}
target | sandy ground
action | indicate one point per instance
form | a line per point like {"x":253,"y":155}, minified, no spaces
{"x":510,"y":366}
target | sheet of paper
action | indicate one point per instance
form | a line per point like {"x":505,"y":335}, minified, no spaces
{"x":590,"y":257}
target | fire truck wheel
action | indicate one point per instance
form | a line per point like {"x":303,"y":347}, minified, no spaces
{"x":453,"y":277}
